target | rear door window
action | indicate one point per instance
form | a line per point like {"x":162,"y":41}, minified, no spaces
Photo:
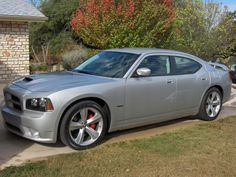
{"x":186,"y":66}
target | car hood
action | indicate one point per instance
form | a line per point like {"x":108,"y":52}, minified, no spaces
{"x":58,"y":81}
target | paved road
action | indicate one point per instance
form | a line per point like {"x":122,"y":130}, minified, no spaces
{"x":15,"y":150}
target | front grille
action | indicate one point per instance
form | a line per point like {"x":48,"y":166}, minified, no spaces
{"x":12,"y":101}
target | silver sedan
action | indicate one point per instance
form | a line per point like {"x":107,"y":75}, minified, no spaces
{"x":114,"y":90}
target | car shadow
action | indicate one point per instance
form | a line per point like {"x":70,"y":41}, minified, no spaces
{"x":141,"y":129}
{"x":58,"y":144}
{"x":122,"y":134}
{"x":127,"y":132}
{"x":10,"y":144}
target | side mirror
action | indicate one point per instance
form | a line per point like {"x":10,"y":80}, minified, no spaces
{"x":143,"y":72}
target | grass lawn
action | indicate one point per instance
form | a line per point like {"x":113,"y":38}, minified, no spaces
{"x":208,"y":149}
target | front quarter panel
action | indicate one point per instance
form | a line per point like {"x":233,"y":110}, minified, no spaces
{"x":112,"y":93}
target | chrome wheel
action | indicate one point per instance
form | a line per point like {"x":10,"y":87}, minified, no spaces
{"x":213,"y":104}
{"x":86,"y":126}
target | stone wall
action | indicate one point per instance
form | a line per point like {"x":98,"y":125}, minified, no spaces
{"x":14,"y":50}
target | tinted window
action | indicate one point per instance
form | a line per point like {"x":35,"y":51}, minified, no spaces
{"x":108,"y":64}
{"x":218,"y":67}
{"x":186,"y":66}
{"x":159,"y":65}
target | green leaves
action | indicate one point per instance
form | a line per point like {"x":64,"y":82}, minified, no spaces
{"x":225,"y":34}
{"x":56,"y":30}
{"x":203,"y":30}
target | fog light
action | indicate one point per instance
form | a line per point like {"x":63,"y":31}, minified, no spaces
{"x":30,"y":132}
{"x":34,"y":133}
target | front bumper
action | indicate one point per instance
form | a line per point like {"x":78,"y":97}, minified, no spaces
{"x":33,"y":126}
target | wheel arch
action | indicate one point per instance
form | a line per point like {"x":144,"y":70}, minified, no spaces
{"x":219,"y":88}
{"x":212,"y":86}
{"x":200,"y":113}
{"x":97,"y":100}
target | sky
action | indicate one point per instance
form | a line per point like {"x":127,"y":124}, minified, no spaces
{"x":230,"y":3}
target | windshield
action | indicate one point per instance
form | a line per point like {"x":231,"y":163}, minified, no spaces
{"x":108,"y":64}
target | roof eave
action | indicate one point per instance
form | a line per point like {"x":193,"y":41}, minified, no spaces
{"x":23,"y":18}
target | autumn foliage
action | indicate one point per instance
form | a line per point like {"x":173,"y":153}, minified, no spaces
{"x":126,"y":23}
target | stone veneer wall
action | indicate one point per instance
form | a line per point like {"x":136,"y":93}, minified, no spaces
{"x":14,"y":50}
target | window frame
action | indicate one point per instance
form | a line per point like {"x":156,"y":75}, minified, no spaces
{"x":134,"y":75}
{"x":174,"y":64}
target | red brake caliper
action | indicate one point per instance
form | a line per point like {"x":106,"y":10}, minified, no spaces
{"x":93,"y":126}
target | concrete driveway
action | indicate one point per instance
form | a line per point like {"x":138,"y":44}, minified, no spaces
{"x":15,"y":150}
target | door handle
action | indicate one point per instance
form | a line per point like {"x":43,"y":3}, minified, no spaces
{"x":170,"y":81}
{"x":203,"y":79}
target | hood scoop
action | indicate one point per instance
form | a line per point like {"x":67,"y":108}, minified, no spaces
{"x":27,"y":79}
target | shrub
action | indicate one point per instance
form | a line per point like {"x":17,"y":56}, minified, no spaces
{"x":92,"y":52}
{"x":74,"y":58}
{"x":111,"y":24}
{"x":42,"y":67}
{"x":34,"y":67}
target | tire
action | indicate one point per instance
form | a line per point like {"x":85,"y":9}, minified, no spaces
{"x":84,"y":125}
{"x":206,"y":112}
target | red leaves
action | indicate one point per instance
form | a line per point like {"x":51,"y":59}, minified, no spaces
{"x":170,"y":10}
{"x":107,"y":24}
{"x":106,"y":6}
{"x":92,"y":11}
{"x":130,"y":8}
{"x":119,"y":9}
{"x":168,"y":3}
{"x":80,"y":19}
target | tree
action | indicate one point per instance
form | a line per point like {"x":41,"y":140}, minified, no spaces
{"x":55,"y":35}
{"x":193,"y":28}
{"x":225,"y":37}
{"x":109,"y":23}
{"x":203,"y":29}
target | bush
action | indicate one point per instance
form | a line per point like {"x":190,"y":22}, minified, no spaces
{"x":74,"y":58}
{"x":42,"y":67}
{"x":92,"y":52}
{"x":62,"y":43}
{"x":115,"y":24}
{"x":34,"y":67}
{"x":56,"y":30}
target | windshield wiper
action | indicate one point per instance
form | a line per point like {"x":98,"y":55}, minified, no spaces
{"x":84,"y":72}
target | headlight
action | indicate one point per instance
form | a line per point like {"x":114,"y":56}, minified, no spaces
{"x":39,"y":104}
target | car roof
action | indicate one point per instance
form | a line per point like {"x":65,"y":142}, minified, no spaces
{"x":149,"y":51}
{"x":143,"y":50}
